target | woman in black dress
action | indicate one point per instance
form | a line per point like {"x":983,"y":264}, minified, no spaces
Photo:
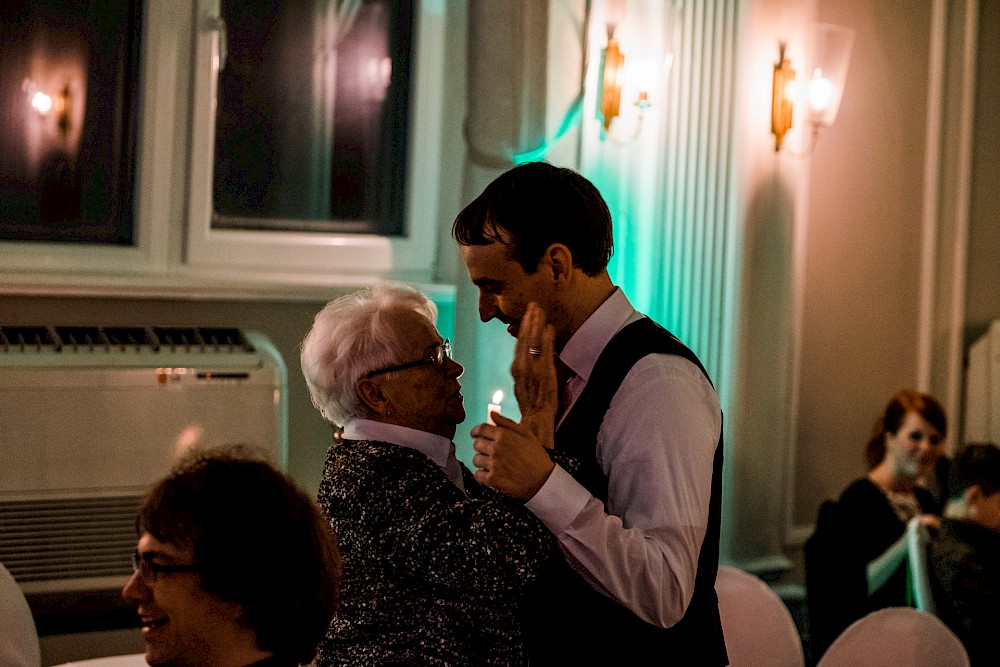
{"x":856,"y":559}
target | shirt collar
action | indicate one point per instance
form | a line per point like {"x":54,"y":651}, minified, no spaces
{"x":435,"y":447}
{"x":584,"y":347}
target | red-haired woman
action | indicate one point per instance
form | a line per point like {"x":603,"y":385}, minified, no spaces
{"x":855,"y":561}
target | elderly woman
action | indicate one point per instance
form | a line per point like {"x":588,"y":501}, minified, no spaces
{"x":855,"y":561}
{"x":434,"y":563}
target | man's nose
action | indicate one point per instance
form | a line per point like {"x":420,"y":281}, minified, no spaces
{"x":487,"y":307}
{"x":135,"y":589}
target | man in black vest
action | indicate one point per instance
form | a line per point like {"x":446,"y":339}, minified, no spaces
{"x":639,"y":522}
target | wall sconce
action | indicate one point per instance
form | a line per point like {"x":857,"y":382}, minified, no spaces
{"x":831,"y":56}
{"x":63,"y":109}
{"x":42,"y":103}
{"x":782,"y":92}
{"x":633,"y":78}
{"x":612,"y":64}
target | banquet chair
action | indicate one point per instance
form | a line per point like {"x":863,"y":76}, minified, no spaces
{"x":19,"y":642}
{"x":757,"y":625}
{"x":896,"y":637}
{"x":134,"y":660}
{"x":917,"y":545}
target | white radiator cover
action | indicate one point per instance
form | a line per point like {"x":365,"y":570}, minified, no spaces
{"x":91,"y":416}
{"x":982,"y":389}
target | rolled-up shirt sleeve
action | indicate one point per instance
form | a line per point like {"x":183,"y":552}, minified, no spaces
{"x":657,"y":446}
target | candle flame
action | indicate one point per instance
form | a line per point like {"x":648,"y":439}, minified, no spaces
{"x":497,"y":397}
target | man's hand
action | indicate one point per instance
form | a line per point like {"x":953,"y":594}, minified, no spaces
{"x":535,"y":385}
{"x":510,"y":458}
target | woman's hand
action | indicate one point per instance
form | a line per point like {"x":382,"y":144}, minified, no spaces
{"x":930,"y":520}
{"x":535,"y":385}
{"x":509,"y":458}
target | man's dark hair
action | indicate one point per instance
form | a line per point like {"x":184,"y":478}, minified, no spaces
{"x":977,"y":465}
{"x":535,"y":205}
{"x":258,"y":541}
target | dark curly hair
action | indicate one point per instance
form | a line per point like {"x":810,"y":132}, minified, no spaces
{"x":977,"y":465}
{"x":258,"y":541}
{"x":535,"y":205}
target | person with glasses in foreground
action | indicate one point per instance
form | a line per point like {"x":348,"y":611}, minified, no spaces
{"x":234,"y":566}
{"x":434,"y":562}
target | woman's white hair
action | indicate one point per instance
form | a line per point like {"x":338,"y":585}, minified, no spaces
{"x":350,"y":337}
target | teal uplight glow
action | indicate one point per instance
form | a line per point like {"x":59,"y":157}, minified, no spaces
{"x":570,"y":120}
{"x":486,"y":352}
{"x":671,"y":192}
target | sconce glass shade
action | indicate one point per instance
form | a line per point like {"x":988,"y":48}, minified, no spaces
{"x":827,"y":71}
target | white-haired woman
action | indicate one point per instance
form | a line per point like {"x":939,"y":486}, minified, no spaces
{"x":434,"y":562}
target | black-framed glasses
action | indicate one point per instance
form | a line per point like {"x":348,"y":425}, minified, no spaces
{"x":149,"y":570}
{"x":441,"y":352}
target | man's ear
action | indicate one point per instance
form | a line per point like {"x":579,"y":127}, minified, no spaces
{"x":560,"y":260}
{"x":973,"y":495}
{"x":371,"y":395}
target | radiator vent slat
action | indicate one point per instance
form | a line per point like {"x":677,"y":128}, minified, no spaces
{"x":43,"y":540}
{"x":28,"y":339}
{"x":86,"y":340}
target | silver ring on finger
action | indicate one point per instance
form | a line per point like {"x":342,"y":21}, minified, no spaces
{"x":534,"y":351}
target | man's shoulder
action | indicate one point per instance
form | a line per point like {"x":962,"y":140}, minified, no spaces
{"x":967,"y":536}
{"x":647,"y":344}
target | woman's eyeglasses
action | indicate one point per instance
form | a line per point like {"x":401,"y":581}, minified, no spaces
{"x":441,"y":352}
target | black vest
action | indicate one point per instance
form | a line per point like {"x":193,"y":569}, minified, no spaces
{"x":569,"y":623}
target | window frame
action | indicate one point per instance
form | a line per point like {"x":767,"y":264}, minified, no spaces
{"x":175,"y":249}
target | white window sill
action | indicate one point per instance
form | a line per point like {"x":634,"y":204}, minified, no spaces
{"x":201,"y":284}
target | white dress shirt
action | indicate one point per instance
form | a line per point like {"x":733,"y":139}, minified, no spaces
{"x":657,"y":446}
{"x":437,"y":448}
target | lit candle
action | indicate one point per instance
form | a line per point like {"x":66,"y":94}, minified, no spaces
{"x":494,"y":406}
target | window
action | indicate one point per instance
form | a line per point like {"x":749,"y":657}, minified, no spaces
{"x":340,"y":115}
{"x":311,"y":127}
{"x":181,"y":95}
{"x":68,"y":89}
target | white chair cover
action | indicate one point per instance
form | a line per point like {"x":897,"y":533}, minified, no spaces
{"x":896,"y":637}
{"x":758,"y":628}
{"x":134,"y":660}
{"x":18,"y":637}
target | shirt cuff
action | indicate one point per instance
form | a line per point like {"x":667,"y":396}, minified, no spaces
{"x":559,"y":501}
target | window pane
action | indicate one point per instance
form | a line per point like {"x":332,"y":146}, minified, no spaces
{"x":312,"y":116}
{"x":68,"y":73}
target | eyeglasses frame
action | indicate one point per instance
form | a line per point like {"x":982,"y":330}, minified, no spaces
{"x":441,"y":352}
{"x":149,"y":570}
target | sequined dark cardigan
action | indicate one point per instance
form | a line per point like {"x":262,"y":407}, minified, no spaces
{"x":432,"y":575}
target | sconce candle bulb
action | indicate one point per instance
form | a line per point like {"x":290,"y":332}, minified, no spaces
{"x":820,"y":91}
{"x":41,"y":103}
